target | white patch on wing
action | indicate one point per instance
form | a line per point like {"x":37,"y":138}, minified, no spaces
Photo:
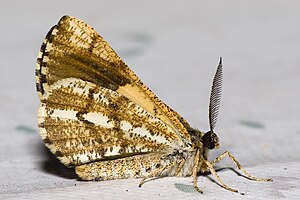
{"x":45,"y":59}
{"x":41,"y":119}
{"x":126,"y":126}
{"x":98,"y":119}
{"x":40,"y":54}
{"x":85,"y":157}
{"x":93,"y":117}
{"x":49,"y":47}
{"x":81,"y":157}
{"x":63,"y":114}
{"x":54,"y":31}
{"x":44,"y":70}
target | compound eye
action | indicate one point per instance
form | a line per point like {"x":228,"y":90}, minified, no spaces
{"x":210,"y":140}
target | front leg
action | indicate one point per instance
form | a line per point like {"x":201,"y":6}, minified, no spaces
{"x":212,"y":170}
{"x":249,"y":176}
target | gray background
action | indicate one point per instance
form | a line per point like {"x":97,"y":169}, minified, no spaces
{"x":174,"y":47}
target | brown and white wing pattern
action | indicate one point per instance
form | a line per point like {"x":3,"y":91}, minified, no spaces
{"x":82,"y":122}
{"x":73,"y":49}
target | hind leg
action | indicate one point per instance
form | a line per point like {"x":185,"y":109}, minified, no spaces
{"x":155,"y":174}
{"x":173,"y":168}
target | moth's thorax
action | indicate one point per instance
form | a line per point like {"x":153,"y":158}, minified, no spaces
{"x":196,"y":136}
{"x":197,"y":143}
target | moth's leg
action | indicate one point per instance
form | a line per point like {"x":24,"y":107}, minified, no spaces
{"x":212,"y":170}
{"x":227,"y":153}
{"x":156,"y":173}
{"x":181,"y":164}
{"x":195,"y":170}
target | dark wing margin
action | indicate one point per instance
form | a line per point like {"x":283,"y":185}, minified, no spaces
{"x":215,"y":96}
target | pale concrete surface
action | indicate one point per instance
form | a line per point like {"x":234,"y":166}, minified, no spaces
{"x":174,"y":47}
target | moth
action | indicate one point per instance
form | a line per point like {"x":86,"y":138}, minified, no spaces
{"x":96,"y":115}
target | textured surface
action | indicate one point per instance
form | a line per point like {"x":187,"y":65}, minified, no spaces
{"x":174,"y":48}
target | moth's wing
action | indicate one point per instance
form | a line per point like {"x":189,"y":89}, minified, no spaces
{"x":74,"y":49}
{"x":81,"y":122}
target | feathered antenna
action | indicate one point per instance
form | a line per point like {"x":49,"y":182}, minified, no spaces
{"x":215,"y":96}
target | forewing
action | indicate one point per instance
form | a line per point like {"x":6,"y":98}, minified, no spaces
{"x":82,"y":122}
{"x":74,"y":49}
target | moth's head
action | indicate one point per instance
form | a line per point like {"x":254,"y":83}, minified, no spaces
{"x":210,"y":140}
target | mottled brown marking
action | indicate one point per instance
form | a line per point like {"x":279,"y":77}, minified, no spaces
{"x":50,"y":37}
{"x":47,"y":140}
{"x":39,"y":88}
{"x":41,"y":125}
{"x":42,"y":77}
{"x":58,"y":153}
